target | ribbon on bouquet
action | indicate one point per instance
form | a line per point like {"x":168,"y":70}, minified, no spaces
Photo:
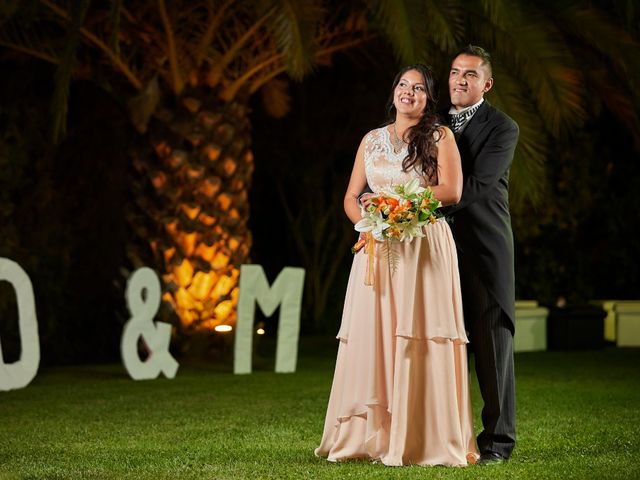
{"x":369,"y":245}
{"x":370,"y":250}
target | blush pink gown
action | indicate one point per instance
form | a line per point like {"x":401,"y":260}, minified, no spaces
{"x":400,"y":392}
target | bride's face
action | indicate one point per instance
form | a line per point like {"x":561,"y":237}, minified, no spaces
{"x":410,"y":95}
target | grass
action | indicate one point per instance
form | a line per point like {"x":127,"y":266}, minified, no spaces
{"x":578,"y":417}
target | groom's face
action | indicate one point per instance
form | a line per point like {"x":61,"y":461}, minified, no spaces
{"x":469,"y":79}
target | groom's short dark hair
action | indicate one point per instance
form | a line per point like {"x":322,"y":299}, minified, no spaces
{"x":476,"y":51}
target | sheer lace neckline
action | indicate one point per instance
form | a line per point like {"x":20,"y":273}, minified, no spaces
{"x":398,"y":156}
{"x":383,"y":166}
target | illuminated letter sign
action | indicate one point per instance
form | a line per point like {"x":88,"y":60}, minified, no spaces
{"x":155,"y":336}
{"x":20,"y":373}
{"x":286,"y":292}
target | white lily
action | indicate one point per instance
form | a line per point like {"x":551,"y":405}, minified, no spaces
{"x":412,"y":186}
{"x":412,"y":230}
{"x":373,"y":223}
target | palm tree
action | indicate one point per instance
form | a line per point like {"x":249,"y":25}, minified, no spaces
{"x":189,"y":68}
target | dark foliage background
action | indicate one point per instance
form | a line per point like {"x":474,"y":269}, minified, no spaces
{"x":62,"y":208}
{"x":582,"y":244}
{"x":62,"y":215}
{"x":303,"y":164}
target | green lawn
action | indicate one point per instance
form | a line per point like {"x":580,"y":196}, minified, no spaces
{"x":578,"y":417}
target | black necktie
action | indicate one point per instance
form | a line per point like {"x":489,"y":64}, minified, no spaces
{"x":457,"y":120}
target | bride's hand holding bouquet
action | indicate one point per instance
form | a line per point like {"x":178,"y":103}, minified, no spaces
{"x":399,"y":215}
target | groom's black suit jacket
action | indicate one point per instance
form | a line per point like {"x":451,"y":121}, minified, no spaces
{"x":481,"y":221}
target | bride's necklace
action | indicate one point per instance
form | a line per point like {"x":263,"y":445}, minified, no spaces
{"x":397,"y":142}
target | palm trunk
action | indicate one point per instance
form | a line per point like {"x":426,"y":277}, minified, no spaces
{"x":191,"y":205}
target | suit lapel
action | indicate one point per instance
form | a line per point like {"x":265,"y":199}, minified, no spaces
{"x":477,"y":123}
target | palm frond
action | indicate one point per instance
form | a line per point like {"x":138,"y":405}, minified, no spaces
{"x":537,"y":54}
{"x":238,"y":48}
{"x":114,"y":14}
{"x":212,"y":25}
{"x":445,"y":24}
{"x":271,"y":68}
{"x":497,"y":11}
{"x":120,"y":64}
{"x":528,"y":172}
{"x":403,"y":23}
{"x":339,"y":31}
{"x":26,"y":39}
{"x":294,"y":25}
{"x":616,"y":47}
{"x":62,"y":78}
{"x":177,"y":80}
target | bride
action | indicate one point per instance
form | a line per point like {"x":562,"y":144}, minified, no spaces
{"x":400,"y":391}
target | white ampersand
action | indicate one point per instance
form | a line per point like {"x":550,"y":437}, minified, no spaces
{"x":156,"y":335}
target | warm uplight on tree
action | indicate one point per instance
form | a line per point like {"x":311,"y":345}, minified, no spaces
{"x":203,"y":300}
{"x":197,"y":215}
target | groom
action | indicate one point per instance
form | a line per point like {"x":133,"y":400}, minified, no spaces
{"x":481,"y":227}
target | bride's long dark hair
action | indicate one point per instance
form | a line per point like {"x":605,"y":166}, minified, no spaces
{"x":423,"y":136}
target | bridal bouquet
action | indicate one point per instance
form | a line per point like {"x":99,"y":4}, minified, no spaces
{"x":400,"y":215}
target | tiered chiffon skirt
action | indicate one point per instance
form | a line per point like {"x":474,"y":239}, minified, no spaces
{"x":400,"y":391}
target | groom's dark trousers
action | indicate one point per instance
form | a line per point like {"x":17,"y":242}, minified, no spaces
{"x":481,"y":226}
{"x":491,"y":341}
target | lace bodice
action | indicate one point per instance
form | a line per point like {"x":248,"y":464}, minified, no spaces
{"x":383,"y":166}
